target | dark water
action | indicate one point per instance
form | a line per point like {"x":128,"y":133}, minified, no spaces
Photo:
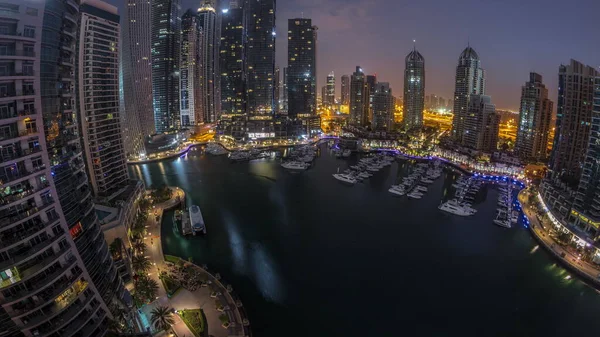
{"x":310,"y":256}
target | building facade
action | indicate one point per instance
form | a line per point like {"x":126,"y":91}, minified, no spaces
{"x":302,"y":70}
{"x":260,"y":56}
{"x":166,"y":30}
{"x":136,"y":55}
{"x":383,"y":108}
{"x":191,"y":98}
{"x":359,"y":98}
{"x":329,"y":98}
{"x":586,"y":208}
{"x":535,"y":117}
{"x":284,"y":98}
{"x":209,"y":58}
{"x":573,"y":119}
{"x":470,"y":80}
{"x":345,"y":89}
{"x":277,"y":89}
{"x":414,"y":90}
{"x":233,"y":62}
{"x":97,"y":97}
{"x":56,"y":274}
{"x":481,"y":124}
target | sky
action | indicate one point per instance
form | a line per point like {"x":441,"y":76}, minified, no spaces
{"x":512,"y":38}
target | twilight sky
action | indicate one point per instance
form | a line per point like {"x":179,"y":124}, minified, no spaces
{"x":512,"y":38}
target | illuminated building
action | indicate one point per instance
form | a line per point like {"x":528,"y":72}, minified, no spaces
{"x":97,"y":95}
{"x":359,"y":98}
{"x":136,"y":64}
{"x":345,"y":89}
{"x":277,"y":89}
{"x":284,"y":99}
{"x":371,"y":82}
{"x":260,"y":56}
{"x":232,"y":62}
{"x":383,"y":108}
{"x":586,"y":208}
{"x":166,"y":25}
{"x":481,"y":124}
{"x":56,"y":274}
{"x":209,"y":58}
{"x":329,"y":98}
{"x":470,"y":80}
{"x":302,"y":67}
{"x":191,"y":98}
{"x":573,"y":119}
{"x":535,"y":117}
{"x":414,"y":90}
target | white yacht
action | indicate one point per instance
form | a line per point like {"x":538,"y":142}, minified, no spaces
{"x":454,"y":207}
{"x":295,"y":165}
{"x":421,"y":188}
{"x":215,"y":149}
{"x":426,"y":181}
{"x":503,"y":223}
{"x":415,"y":195}
{"x":364,"y":175}
{"x":346,"y":153}
{"x":373,"y":168}
{"x":239,"y":156}
{"x":397,"y":191}
{"x":346,"y":178}
{"x":197,"y":220}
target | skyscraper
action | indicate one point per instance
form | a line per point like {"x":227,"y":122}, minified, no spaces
{"x":345,"y":89}
{"x":324,"y":95}
{"x":191,"y":96}
{"x":573,"y":119}
{"x":166,"y":30}
{"x":232,"y":62}
{"x":284,"y":100}
{"x":470,"y":80}
{"x":370,"y":89}
{"x":535,"y":116}
{"x":383,"y":107}
{"x":137,"y":74}
{"x":97,"y":96}
{"x":481,"y":124}
{"x":56,"y":274}
{"x":301,"y":71}
{"x":260,"y":55}
{"x":330,"y":95}
{"x":586,"y":208}
{"x":277,"y":88}
{"x":209,"y":58}
{"x":359,"y":98}
{"x":414,"y":90}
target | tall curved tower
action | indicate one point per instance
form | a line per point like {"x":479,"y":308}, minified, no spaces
{"x":470,"y":80}
{"x":414,"y":90}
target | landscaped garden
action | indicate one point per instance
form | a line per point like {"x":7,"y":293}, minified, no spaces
{"x":195,"y":321}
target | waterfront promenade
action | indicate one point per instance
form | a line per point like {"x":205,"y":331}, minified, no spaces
{"x":183,"y":298}
{"x":543,"y":234}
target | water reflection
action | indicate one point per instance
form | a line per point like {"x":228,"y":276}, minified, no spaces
{"x":236,"y":243}
{"x":266,"y":275}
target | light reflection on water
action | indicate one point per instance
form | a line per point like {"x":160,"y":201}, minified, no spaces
{"x":269,"y":281}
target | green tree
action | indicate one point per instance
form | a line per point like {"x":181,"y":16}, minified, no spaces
{"x":140,"y":264}
{"x":146,"y":288}
{"x":139,"y":246}
{"x":162,"y":318}
{"x":116,"y":249}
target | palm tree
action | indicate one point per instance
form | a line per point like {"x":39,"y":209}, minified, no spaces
{"x":162,"y":318}
{"x":140,"y":264}
{"x":139,"y":246}
{"x":146,"y":288}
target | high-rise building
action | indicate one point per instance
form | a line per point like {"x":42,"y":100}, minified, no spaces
{"x":481,"y":124}
{"x":371,"y":82}
{"x":277,"y":88}
{"x":324,"y":95}
{"x":166,"y":30}
{"x":345,"y":89}
{"x":330,"y":94}
{"x":535,"y":116}
{"x":56,"y":274}
{"x":209,"y":58}
{"x":191,"y":98}
{"x":260,"y":56}
{"x":573,"y":119}
{"x":284,"y":100}
{"x":383,"y":108}
{"x":97,"y":97}
{"x":232,"y":62}
{"x":302,"y":67}
{"x":470,"y":80}
{"x":586,"y":208}
{"x":414,"y":90}
{"x":359,"y":98}
{"x":136,"y":55}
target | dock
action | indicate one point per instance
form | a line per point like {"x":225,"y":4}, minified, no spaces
{"x":186,"y":224}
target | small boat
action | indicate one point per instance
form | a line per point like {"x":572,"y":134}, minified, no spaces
{"x":295,"y":165}
{"x":421,"y":188}
{"x":345,"y":178}
{"x":503,"y":223}
{"x":397,"y":191}
{"x":415,"y":195}
{"x":197,"y":220}
{"x":346,"y":153}
{"x":455,"y":207}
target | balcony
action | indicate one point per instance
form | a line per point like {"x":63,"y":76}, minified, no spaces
{"x":69,"y":17}
{"x":66,"y":317}
{"x":18,"y":134}
{"x":30,"y":251}
{"x":17,"y":36}
{"x":24,"y":214}
{"x":9,"y":199}
{"x":14,"y":114}
{"x":9,"y":239}
{"x":90,"y":327}
{"x":12,"y":73}
{"x":54,"y":290}
{"x":17,"y":54}
{"x":18,"y":154}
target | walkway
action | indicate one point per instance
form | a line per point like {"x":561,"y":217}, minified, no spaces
{"x":544,"y":236}
{"x":185,"y":299}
